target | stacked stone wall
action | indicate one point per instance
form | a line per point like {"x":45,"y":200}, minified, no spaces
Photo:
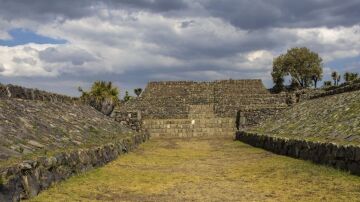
{"x":338,"y":156}
{"x":28,"y":178}
{"x":201,"y":121}
{"x":339,"y":90}
{"x":190,"y":127}
{"x":171,"y":100}
{"x":129,"y":119}
{"x":12,"y":91}
{"x":256,"y":116}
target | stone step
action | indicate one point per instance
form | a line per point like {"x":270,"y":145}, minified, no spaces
{"x":189,"y":121}
{"x":155,"y":135}
{"x":181,"y":126}
{"x":198,"y":130}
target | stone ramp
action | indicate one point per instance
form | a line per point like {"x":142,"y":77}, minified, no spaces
{"x":201,"y":122}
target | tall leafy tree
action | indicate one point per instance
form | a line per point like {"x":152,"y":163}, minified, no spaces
{"x":303,"y":66}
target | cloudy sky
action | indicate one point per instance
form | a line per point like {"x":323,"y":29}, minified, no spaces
{"x":60,"y":45}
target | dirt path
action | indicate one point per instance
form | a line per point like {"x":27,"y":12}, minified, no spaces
{"x":206,"y":170}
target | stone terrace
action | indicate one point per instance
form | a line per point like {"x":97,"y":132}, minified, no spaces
{"x":171,"y":106}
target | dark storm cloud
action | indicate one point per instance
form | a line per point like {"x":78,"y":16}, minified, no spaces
{"x":210,"y":46}
{"x":259,"y":14}
{"x":245,"y":14}
{"x":153,"y":5}
{"x":45,"y":10}
{"x":66,"y":54}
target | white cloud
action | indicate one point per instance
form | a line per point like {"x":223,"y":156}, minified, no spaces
{"x":23,"y":61}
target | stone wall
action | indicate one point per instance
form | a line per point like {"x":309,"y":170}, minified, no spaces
{"x":129,"y":119}
{"x":12,"y":91}
{"x":338,"y":156}
{"x":249,"y":117}
{"x":27,"y":179}
{"x":341,"y":89}
{"x":201,"y":121}
{"x":190,"y":127}
{"x":172,"y":99}
{"x":307,"y":94}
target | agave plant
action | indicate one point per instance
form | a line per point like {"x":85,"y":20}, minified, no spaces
{"x":103,"y":96}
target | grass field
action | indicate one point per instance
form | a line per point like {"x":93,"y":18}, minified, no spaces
{"x":206,"y":170}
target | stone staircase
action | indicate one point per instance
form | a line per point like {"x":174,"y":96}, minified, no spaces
{"x":201,"y":122}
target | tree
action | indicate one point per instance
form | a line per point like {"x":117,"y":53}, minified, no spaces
{"x":302,"y":65}
{"x":137,"y":91}
{"x":316,"y":76}
{"x":336,"y":78}
{"x":103,"y":96}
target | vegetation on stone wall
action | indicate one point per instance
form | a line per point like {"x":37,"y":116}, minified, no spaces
{"x":103,"y":96}
{"x":327,"y":119}
{"x":350,"y":76}
{"x":327,"y":84}
{"x":127,"y":97}
{"x":303,"y":66}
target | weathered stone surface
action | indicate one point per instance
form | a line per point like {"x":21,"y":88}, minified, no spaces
{"x":328,"y":119}
{"x":28,"y":126}
{"x":338,"y":90}
{"x":201,"y":122}
{"x":132,"y":120}
{"x":172,"y":100}
{"x":12,"y":91}
{"x":187,"y":109}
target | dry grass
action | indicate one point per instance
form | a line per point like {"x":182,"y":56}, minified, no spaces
{"x":206,"y":170}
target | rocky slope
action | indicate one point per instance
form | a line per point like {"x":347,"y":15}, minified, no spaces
{"x":29,"y":127}
{"x":334,"y":118}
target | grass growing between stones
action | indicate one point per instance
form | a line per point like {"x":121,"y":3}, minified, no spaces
{"x":329,"y":119}
{"x":206,"y":170}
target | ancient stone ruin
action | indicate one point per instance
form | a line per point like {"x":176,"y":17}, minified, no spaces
{"x":187,"y":108}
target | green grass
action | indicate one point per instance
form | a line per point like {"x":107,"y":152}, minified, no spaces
{"x":206,"y":170}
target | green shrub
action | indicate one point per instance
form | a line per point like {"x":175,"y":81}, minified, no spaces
{"x":103,"y":96}
{"x":327,"y":83}
{"x":127,"y":97}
